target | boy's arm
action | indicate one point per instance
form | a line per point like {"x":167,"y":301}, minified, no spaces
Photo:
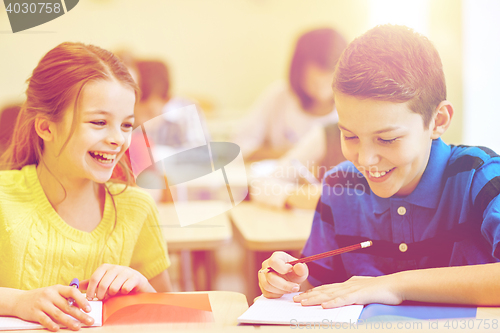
{"x":475,"y":284}
{"x":472,"y":284}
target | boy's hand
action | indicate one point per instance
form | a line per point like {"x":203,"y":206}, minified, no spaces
{"x":49,"y":307}
{"x":356,"y":290}
{"x":287,"y":280}
{"x":109,"y":280}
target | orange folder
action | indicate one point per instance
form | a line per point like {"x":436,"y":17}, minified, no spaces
{"x":157,"y":308}
{"x":145,"y":308}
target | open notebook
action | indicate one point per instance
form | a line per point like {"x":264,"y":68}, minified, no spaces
{"x":138,"y":309}
{"x":284,"y":311}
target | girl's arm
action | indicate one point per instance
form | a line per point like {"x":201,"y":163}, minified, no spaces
{"x":474,"y":284}
{"x":7,"y":295}
{"x":110,"y":280}
{"x":161,"y":282}
{"x":48,"y":306}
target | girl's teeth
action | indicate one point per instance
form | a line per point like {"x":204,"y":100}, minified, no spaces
{"x":105,"y":158}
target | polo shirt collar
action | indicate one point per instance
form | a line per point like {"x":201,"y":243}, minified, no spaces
{"x":428,"y":190}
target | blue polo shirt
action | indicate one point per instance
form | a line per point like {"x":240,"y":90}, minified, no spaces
{"x":452,"y":218}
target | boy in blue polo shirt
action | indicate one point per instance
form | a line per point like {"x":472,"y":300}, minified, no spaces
{"x":432,"y":210}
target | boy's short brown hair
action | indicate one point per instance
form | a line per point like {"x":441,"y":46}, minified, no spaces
{"x":393,"y":63}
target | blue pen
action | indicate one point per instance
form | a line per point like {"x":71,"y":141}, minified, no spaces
{"x":74,"y":283}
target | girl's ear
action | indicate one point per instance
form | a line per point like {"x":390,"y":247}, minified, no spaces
{"x":44,"y":128}
{"x":441,"y":119}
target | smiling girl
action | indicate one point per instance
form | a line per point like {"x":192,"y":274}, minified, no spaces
{"x":60,"y":218}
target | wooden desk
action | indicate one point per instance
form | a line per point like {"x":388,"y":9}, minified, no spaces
{"x":228,"y":306}
{"x":206,"y":235}
{"x":483,"y":313}
{"x":195,"y":242}
{"x":262,"y":229}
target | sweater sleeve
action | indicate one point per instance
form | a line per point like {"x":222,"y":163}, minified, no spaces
{"x":150,"y":256}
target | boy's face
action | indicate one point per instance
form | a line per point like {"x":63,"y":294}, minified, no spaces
{"x":386,"y":141}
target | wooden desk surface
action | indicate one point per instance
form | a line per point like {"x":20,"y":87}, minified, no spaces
{"x":228,"y":306}
{"x":226,"y":326}
{"x":206,"y":235}
{"x":264,"y":228}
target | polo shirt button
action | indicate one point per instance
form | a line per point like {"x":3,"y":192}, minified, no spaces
{"x":403,"y":247}
{"x":401,"y":210}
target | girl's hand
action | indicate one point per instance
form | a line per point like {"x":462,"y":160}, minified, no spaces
{"x":287,"y":280}
{"x":49,"y":306}
{"x":109,"y":280}
{"x":356,"y":290}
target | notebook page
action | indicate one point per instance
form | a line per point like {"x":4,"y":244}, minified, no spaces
{"x":284,"y":311}
{"x":13,"y":323}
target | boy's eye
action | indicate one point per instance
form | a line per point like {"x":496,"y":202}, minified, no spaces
{"x":98,"y":122}
{"x":387,"y":141}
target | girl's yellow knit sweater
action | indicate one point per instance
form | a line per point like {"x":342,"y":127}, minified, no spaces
{"x":39,"y":249}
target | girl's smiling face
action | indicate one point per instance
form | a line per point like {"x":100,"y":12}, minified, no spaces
{"x":386,"y":141}
{"x":101,"y":134}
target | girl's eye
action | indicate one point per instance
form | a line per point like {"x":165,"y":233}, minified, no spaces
{"x":350,"y":137}
{"x":387,"y":141}
{"x":127,"y":125}
{"x":98,"y":122}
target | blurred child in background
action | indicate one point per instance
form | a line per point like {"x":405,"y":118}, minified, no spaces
{"x":170,"y":123}
{"x":157,"y":100}
{"x":298,"y":173}
{"x":287,"y":111}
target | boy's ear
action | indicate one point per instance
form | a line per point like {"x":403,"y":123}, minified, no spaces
{"x":441,"y":119}
{"x":45,"y":129}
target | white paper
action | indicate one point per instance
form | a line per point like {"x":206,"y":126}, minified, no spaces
{"x":13,"y":323}
{"x":284,"y":311}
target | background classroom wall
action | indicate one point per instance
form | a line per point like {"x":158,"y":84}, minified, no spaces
{"x":227,"y":51}
{"x":481,"y":83}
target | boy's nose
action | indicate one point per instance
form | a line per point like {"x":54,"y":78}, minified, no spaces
{"x":368,"y":156}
